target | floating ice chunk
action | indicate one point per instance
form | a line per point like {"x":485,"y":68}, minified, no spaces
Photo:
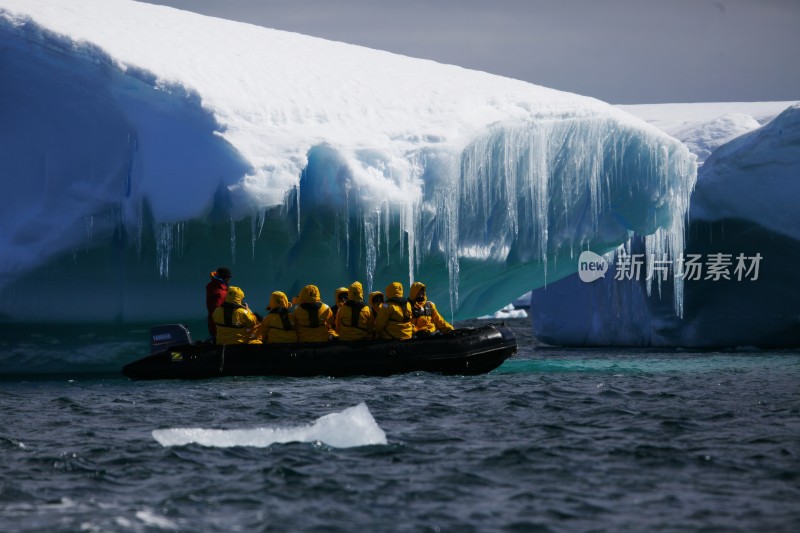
{"x":354,"y":426}
{"x":154,"y":520}
{"x":507,"y":312}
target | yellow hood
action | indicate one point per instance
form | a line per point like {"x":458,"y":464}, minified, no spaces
{"x":394,"y":290}
{"x":373,"y":295}
{"x":414,"y":290}
{"x":235,"y":295}
{"x":309,"y":294}
{"x":356,"y":292}
{"x":278,"y":300}
{"x":339,"y":291}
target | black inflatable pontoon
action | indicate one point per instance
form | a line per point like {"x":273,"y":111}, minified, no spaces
{"x":465,"y":351}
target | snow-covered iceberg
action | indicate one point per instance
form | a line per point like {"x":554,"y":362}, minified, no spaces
{"x":144,"y":146}
{"x":745,"y":204}
{"x":704,"y":127}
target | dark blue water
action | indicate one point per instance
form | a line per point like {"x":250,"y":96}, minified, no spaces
{"x":554,"y":440}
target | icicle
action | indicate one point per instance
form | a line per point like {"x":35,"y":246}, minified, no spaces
{"x":539,"y":176}
{"x":371,"y":234}
{"x":139,"y":228}
{"x":347,"y":224}
{"x":179,"y":238}
{"x":448,"y":226}
{"x":89,"y":220}
{"x":164,"y":248}
{"x":386,"y":220}
{"x":538,"y":196}
{"x":233,"y":241}
{"x":256,"y":223}
{"x":297,"y":200}
{"x":336,"y":237}
{"x":408,"y":227}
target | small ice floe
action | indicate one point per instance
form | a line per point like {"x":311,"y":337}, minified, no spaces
{"x":152,"y":519}
{"x":507,"y":312}
{"x":354,"y":426}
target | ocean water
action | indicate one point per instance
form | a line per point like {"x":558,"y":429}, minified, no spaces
{"x":553,"y":440}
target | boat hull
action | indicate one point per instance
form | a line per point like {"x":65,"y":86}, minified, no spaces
{"x":466,"y":352}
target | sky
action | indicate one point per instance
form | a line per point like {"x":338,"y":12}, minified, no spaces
{"x":620,"y":51}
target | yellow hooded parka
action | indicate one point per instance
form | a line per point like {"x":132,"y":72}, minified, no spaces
{"x":426,"y":318}
{"x":394,"y":318}
{"x":234,"y":321}
{"x":354,"y":320}
{"x":278,"y":326}
{"x":375,"y":307}
{"x":312,"y":318}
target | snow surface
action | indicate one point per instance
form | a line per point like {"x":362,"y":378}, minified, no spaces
{"x":755,"y":177}
{"x":704,"y":127}
{"x":143,"y":141}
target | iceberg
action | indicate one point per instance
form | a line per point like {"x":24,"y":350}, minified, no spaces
{"x":743,"y":205}
{"x":704,"y":127}
{"x":508,"y":312}
{"x":144,"y":146}
{"x":755,"y":177}
{"x":352,"y":427}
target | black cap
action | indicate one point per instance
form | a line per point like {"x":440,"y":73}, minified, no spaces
{"x":224,"y":273}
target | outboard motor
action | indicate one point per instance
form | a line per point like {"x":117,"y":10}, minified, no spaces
{"x":166,"y":335}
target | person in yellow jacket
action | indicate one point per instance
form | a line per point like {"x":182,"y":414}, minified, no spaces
{"x":375,"y":302}
{"x":234,"y":320}
{"x":313,"y":319}
{"x":278,"y":325}
{"x":425,"y":317}
{"x":339,"y":299}
{"x":394,"y":318}
{"x":354,"y":320}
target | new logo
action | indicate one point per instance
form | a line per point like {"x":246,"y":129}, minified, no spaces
{"x":591,"y":267}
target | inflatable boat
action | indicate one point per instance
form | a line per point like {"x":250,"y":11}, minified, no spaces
{"x":465,"y":351}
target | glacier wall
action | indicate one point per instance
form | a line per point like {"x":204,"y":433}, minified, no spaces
{"x":744,"y":203}
{"x":132,"y":179}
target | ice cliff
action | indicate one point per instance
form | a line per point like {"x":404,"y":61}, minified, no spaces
{"x":745,"y":204}
{"x":143,"y":146}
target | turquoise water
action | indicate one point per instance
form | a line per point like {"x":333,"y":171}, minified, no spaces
{"x":553,"y":440}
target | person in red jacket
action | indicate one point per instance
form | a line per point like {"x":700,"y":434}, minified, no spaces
{"x":216,"y":290}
